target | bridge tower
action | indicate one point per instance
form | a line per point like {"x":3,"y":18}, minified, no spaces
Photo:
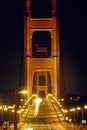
{"x":41,"y":50}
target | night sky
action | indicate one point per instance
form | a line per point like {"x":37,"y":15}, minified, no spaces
{"x":73,"y":40}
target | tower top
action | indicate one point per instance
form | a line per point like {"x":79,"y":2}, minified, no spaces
{"x":50,"y":6}
{"x":28,"y":4}
{"x":54,"y":4}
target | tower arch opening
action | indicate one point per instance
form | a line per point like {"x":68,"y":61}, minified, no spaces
{"x":41,"y":10}
{"x":41,"y":44}
{"x":42,"y":83}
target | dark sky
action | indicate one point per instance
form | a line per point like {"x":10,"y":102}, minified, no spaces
{"x":73,"y":40}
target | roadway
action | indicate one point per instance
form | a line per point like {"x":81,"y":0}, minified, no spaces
{"x":42,"y":115}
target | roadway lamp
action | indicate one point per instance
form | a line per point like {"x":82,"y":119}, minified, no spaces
{"x":23,"y":92}
{"x":85,"y":106}
{"x":23,"y":96}
{"x":78,"y":108}
{"x":0,"y":107}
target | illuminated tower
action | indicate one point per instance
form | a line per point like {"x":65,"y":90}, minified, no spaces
{"x":41,"y":51}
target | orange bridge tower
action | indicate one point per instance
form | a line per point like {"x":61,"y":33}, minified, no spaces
{"x":41,"y":48}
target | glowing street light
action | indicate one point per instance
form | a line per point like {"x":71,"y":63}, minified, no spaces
{"x":78,"y":108}
{"x":23,"y":96}
{"x":0,"y":107}
{"x":23,"y":92}
{"x":85,"y":106}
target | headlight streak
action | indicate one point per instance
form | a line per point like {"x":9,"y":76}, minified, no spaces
{"x":37,"y":101}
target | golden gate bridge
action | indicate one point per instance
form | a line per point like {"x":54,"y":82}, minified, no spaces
{"x":43,"y":108}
